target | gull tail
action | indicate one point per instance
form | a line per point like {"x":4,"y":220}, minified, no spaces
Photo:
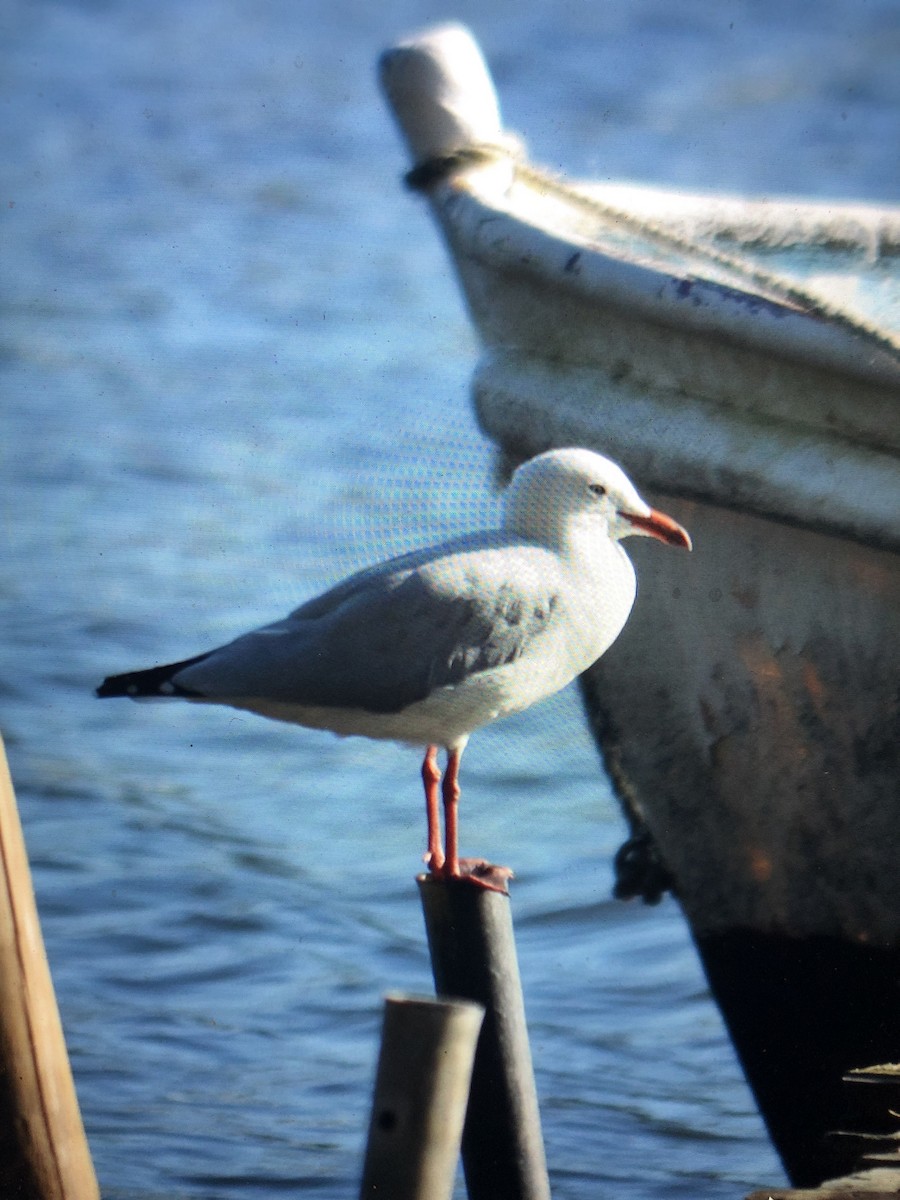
{"x":157,"y":681}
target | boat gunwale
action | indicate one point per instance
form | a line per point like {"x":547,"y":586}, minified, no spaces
{"x":498,"y":234}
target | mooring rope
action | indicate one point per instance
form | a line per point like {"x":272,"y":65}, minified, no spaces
{"x":430,"y":172}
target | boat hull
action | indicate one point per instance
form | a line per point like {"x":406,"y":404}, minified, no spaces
{"x":749,"y":718}
{"x":751,"y":708}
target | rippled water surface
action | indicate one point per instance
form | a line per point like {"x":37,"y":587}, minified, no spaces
{"x":235,"y":366}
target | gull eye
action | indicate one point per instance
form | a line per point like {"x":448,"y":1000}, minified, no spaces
{"x":597,"y":488}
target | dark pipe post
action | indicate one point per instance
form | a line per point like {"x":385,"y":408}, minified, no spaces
{"x":473,"y":957}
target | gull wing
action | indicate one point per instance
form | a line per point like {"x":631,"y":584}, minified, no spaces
{"x":389,"y":636}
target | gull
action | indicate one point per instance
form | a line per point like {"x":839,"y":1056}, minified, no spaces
{"x":428,"y":647}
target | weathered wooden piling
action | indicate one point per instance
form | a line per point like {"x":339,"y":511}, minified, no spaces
{"x":473,"y":957}
{"x":421,"y":1090}
{"x":43,"y":1150}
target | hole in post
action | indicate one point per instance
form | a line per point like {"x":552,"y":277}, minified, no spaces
{"x":387,"y":1120}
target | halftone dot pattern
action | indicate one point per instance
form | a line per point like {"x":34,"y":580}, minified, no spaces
{"x":237,"y":369}
{"x":416,"y":489}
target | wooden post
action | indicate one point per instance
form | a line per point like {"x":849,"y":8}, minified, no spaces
{"x":421,"y":1089}
{"x":43,"y":1150}
{"x":473,"y":956}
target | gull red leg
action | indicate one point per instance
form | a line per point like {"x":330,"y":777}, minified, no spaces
{"x":431,"y":777}
{"x":475,"y":871}
{"x":451,"y":814}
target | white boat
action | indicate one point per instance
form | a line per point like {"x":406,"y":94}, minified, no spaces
{"x":741,"y":359}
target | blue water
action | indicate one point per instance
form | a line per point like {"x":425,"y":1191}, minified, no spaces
{"x":235,"y":366}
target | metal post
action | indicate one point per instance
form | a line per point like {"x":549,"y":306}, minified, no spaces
{"x":473,"y":957}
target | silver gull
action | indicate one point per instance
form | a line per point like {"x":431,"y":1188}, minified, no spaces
{"x":430,"y":646}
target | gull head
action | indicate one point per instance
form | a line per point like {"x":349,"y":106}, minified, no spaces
{"x":562,"y":494}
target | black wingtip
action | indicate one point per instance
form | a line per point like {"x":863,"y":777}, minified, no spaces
{"x":111,"y":686}
{"x":156,"y":681}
